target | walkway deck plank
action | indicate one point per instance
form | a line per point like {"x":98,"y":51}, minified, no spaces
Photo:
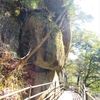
{"x":70,"y":95}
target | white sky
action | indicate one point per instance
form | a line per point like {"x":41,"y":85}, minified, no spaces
{"x":91,"y":7}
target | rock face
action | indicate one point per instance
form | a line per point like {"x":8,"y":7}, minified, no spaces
{"x":9,"y":28}
{"x":47,"y":62}
{"x":51,"y":55}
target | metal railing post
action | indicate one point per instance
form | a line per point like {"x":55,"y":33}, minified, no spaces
{"x":30,"y":91}
{"x":84,"y":94}
{"x":55,"y":90}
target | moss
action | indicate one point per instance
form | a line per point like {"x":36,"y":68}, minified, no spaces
{"x":9,"y":81}
{"x":52,"y":50}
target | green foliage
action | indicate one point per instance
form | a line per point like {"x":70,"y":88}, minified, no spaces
{"x":71,"y":11}
{"x":30,"y":3}
{"x":86,"y":46}
{"x":8,"y":80}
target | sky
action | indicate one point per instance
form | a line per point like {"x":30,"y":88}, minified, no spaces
{"x":91,"y":7}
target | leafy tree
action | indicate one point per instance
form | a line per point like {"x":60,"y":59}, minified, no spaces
{"x":86,"y":47}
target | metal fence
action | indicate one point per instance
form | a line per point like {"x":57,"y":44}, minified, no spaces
{"x":54,"y":96}
{"x":83,"y":92}
{"x":51,"y":93}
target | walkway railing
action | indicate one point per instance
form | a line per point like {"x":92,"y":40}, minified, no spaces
{"x":55,"y":94}
{"x":83,"y":92}
{"x":52,"y":93}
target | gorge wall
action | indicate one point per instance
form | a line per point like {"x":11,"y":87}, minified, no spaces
{"x":46,"y":64}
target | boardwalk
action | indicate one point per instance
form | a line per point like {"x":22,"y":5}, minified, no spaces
{"x":70,"y":95}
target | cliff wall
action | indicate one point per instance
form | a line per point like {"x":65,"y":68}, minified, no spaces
{"x":47,"y":63}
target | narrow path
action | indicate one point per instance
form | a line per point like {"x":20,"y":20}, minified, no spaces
{"x":70,"y":95}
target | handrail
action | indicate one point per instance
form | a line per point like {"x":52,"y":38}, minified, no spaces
{"x":12,"y":93}
{"x":48,"y":96}
{"x":28,"y":98}
{"x":31,"y":87}
{"x":83,"y":92}
{"x":57,"y":96}
{"x":89,"y":96}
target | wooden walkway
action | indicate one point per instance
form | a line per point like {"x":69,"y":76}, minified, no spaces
{"x":69,"y":95}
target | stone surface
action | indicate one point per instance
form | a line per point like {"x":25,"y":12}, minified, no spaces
{"x":41,"y":67}
{"x":52,"y":54}
{"x":9,"y":28}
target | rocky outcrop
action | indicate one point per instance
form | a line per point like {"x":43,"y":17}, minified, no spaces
{"x":9,"y":27}
{"x":46,"y":64}
{"x":51,"y":55}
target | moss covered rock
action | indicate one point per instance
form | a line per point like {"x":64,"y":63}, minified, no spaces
{"x":9,"y":27}
{"x":52,"y":54}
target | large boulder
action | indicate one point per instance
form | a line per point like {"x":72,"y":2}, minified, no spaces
{"x":51,"y":55}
